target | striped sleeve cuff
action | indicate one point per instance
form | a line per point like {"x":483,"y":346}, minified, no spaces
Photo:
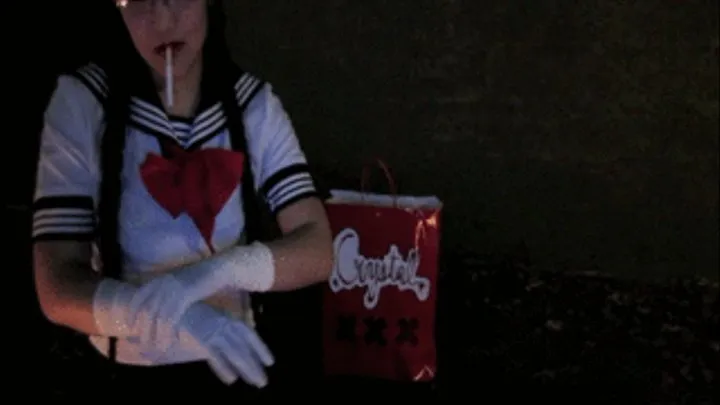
{"x":63,"y":218}
{"x":288,"y":186}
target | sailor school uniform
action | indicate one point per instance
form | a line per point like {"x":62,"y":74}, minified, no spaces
{"x":159,"y":227}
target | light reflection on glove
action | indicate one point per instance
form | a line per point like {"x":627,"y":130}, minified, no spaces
{"x":234,"y":350}
{"x":148,"y":313}
{"x":161,"y":311}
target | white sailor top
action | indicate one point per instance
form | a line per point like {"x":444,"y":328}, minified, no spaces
{"x":152,"y":238}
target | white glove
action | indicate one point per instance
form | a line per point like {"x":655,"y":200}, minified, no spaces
{"x":149,"y":313}
{"x":154,"y":312}
{"x":247,"y":268}
{"x":233,"y":349}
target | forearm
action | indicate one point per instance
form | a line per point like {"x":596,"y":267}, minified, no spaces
{"x":68,"y":300}
{"x":85,"y":301}
{"x":85,"y":304}
{"x":73,"y":295}
{"x":301,"y":258}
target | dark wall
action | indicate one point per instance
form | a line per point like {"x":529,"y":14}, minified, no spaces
{"x":585,"y":131}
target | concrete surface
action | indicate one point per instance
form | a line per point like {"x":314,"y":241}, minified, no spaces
{"x":586,"y":132}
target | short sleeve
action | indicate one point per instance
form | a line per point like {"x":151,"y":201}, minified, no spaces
{"x":68,"y":164}
{"x":279,"y":165}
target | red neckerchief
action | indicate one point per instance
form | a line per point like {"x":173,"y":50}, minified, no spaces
{"x":198,"y":183}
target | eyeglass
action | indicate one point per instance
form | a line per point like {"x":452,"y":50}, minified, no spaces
{"x":146,"y":6}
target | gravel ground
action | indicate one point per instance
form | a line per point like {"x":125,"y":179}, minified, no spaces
{"x":508,"y":334}
{"x":583,"y":337}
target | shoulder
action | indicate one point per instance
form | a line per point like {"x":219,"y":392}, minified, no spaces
{"x":93,"y":78}
{"x":78,"y":94}
{"x":247,"y":88}
{"x":256,"y":97}
{"x":73,"y":117}
{"x":259,"y":102}
{"x":264,"y":115}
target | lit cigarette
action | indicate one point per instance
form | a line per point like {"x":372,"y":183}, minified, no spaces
{"x":169,"y":76}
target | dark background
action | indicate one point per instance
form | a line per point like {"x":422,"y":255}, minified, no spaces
{"x":562,"y":136}
{"x":583,"y":133}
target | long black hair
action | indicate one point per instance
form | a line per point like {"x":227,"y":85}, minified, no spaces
{"x":123,"y":64}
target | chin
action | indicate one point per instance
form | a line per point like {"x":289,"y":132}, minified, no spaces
{"x":180,"y":73}
{"x":179,"y":70}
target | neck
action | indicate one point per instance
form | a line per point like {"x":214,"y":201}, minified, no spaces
{"x":186,"y":91}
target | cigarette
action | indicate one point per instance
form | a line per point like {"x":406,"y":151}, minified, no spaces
{"x":169,"y":76}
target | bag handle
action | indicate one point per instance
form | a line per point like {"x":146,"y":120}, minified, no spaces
{"x":379,"y":163}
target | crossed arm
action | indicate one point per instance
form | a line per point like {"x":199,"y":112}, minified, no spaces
{"x":66,"y":284}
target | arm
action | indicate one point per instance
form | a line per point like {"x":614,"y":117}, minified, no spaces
{"x":64,"y":206}
{"x":69,"y":291}
{"x":303,"y":255}
{"x":65,"y":283}
{"x":72,"y":294}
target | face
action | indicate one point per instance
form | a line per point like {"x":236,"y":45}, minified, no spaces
{"x":156,"y":25}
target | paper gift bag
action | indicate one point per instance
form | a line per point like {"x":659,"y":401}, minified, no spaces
{"x":379,"y":304}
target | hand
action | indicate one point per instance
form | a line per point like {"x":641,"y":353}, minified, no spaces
{"x":156,"y":310}
{"x":234,"y":350}
{"x":148,"y":313}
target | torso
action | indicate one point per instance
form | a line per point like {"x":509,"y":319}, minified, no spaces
{"x":152,"y":240}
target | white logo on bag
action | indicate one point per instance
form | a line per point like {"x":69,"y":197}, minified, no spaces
{"x":352,"y":270}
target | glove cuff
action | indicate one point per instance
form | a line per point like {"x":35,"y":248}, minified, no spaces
{"x":254,"y":267}
{"x":110,"y":308}
{"x":247,"y":268}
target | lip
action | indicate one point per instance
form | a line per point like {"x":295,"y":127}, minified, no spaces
{"x":174,"y":45}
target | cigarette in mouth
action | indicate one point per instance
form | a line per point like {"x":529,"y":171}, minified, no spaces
{"x":169,"y":76}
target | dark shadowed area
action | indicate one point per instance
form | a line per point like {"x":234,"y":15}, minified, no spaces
{"x":575,"y":145}
{"x":586,"y":131}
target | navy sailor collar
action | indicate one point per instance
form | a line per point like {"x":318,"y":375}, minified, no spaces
{"x":148,"y":115}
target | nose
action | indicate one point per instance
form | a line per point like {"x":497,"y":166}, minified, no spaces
{"x":163,"y":15}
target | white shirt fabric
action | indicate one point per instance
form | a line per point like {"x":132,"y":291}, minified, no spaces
{"x":152,"y":241}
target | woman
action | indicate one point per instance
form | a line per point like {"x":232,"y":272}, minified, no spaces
{"x":165,"y":191}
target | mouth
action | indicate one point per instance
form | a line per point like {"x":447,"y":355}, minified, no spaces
{"x":174,"y":45}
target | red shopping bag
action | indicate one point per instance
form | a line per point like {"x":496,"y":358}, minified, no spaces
{"x":379,"y":304}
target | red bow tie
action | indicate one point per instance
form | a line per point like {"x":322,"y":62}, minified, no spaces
{"x":198,"y":183}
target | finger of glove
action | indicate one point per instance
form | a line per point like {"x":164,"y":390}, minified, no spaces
{"x":244,"y":362}
{"x":150,"y":324}
{"x":138,"y":304}
{"x":146,"y":301}
{"x":257,"y":346}
{"x":171,"y":301}
{"x":176,"y":301}
{"x":157,"y":307}
{"x":171,"y":309}
{"x":142,"y":311}
{"x":222,"y":369}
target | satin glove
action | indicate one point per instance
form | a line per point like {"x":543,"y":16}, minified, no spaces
{"x":152,"y":311}
{"x":159,"y":313}
{"x":149,"y":313}
{"x":233,"y":350}
{"x":247,"y":268}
